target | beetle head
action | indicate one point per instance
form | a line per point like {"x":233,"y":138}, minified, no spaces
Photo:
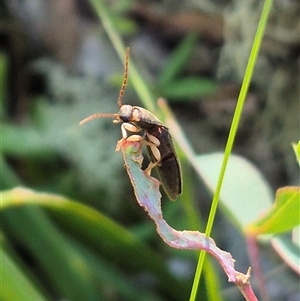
{"x":125,"y":113}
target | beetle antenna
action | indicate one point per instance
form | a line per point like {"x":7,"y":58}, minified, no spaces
{"x":94,"y":116}
{"x":125,"y":78}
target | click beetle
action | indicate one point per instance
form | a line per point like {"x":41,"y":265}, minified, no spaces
{"x":141,"y":125}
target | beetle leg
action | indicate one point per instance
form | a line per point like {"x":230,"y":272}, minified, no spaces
{"x":150,"y":167}
{"x":152,"y":139}
{"x":156,"y":153}
{"x":136,"y":156}
{"x":135,"y":138}
{"x":123,"y":130}
{"x":154,"y":143}
{"x":129,"y":127}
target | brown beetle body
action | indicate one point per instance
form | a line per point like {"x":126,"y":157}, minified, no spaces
{"x":141,"y":125}
{"x":140,"y":116}
{"x":168,"y":168}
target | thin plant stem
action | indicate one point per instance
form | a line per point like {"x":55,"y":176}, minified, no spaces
{"x":139,"y":84}
{"x":233,"y":129}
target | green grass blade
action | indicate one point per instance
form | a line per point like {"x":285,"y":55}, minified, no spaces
{"x":61,"y":264}
{"x":14,"y":284}
{"x":3,"y":83}
{"x":93,"y":229}
{"x":177,"y":60}
{"x":235,"y":122}
{"x":189,"y":87}
{"x":139,"y":84}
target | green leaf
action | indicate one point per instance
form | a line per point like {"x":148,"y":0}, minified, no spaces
{"x":282,"y":216}
{"x":124,"y":25}
{"x":121,"y":7}
{"x":146,"y":190}
{"x":86,"y":225}
{"x":245,"y":192}
{"x":212,"y":283}
{"x":49,"y":248}
{"x":107,"y":274}
{"x":189,"y":87}
{"x":4,"y":62}
{"x":177,"y":61}
{"x":14,"y":284}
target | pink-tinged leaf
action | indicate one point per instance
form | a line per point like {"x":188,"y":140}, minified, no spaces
{"x":243,"y":282}
{"x":146,"y":189}
{"x":282,"y":216}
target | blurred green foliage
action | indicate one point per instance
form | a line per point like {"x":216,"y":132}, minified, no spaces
{"x":171,"y":86}
{"x":53,"y":247}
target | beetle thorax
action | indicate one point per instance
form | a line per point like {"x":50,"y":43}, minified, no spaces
{"x":129,"y":113}
{"x":136,"y":115}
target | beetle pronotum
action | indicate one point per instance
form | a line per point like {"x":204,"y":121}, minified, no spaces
{"x":141,"y":125}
